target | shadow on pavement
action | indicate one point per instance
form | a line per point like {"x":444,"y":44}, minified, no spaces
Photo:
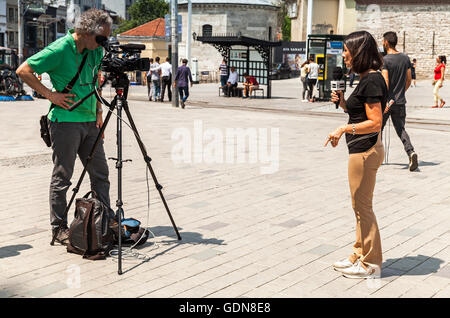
{"x":13,"y":250}
{"x":410,"y":266}
{"x":186,"y":238}
{"x":406,"y":165}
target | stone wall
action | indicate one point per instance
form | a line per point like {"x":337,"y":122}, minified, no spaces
{"x":251,"y":20}
{"x":415,"y":25}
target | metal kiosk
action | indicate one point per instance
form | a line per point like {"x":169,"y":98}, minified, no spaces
{"x":327,"y":52}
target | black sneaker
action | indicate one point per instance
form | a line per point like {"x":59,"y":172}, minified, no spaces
{"x":413,"y":164}
{"x":182,"y":104}
{"x":63,"y":235}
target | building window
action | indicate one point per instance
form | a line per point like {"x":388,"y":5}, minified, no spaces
{"x":61,"y":26}
{"x":11,"y":16}
{"x":11,"y":38}
{"x":207,"y":30}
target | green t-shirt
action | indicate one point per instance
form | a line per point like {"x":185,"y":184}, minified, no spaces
{"x":60,"y":60}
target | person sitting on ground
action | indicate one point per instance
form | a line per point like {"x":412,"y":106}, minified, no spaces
{"x":232,"y":81}
{"x":250,"y":84}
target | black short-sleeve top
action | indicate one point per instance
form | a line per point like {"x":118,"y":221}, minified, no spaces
{"x":371,"y":89}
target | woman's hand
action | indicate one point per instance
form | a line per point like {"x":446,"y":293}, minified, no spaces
{"x":336,"y":96}
{"x":335,"y":136}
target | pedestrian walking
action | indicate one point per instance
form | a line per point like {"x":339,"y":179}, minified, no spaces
{"x":313,"y":75}
{"x":223,"y":69}
{"x":365,"y":109}
{"x":149,"y":81}
{"x":155,"y":70}
{"x":397,"y":74}
{"x":439,"y":77}
{"x":182,"y":79}
{"x":413,"y":72}
{"x":304,"y":69}
{"x":166,"y":79}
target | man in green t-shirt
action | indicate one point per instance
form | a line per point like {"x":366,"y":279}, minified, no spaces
{"x":75,"y":132}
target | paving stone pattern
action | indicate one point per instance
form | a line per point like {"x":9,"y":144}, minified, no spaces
{"x":245,"y":234}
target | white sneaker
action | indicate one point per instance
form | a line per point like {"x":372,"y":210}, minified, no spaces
{"x":342,"y":264}
{"x":358,"y":271}
{"x":305,"y":100}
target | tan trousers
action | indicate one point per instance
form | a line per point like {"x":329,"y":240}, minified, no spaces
{"x":436,"y":91}
{"x":362,"y":172}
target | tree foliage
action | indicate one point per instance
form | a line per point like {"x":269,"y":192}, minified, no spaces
{"x":143,"y":11}
{"x":284,"y":22}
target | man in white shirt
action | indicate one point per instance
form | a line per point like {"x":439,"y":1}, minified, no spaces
{"x":232,"y":81}
{"x":155,"y":70}
{"x":166,"y":78}
{"x":313,"y":75}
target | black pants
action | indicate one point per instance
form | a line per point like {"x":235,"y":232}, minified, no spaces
{"x":311,"y":83}
{"x":184,"y":93}
{"x":230,"y":89}
{"x":398,"y":115}
{"x":165,"y":81}
{"x":69,"y":140}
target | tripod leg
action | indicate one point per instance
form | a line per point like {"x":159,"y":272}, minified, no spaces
{"x":77,"y":187}
{"x":147,"y":159}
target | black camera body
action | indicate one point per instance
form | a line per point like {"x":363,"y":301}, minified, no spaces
{"x":122,"y":58}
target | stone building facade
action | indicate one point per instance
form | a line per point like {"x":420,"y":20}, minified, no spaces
{"x":422,"y":27}
{"x":328,"y":16}
{"x":252,"y":18}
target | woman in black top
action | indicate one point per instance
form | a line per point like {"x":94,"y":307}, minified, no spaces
{"x":365,"y":107}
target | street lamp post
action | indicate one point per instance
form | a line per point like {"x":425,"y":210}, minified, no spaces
{"x":19,"y":26}
{"x":174,"y":38}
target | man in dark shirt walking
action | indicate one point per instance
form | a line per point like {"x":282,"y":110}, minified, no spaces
{"x":182,"y":79}
{"x":397,"y":74}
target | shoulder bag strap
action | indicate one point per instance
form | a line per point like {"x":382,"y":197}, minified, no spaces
{"x":69,"y":86}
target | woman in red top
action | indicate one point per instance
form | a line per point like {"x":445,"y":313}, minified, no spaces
{"x":439,"y":77}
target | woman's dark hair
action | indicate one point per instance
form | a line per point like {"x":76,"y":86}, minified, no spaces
{"x":364,"y":51}
{"x":443,"y":59}
{"x":304,"y":63}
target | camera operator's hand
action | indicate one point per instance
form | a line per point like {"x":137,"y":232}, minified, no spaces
{"x":61,"y":99}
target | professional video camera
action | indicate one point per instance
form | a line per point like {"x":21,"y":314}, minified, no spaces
{"x":122,"y":58}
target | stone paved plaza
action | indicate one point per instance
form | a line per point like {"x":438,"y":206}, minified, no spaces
{"x":246,"y":232}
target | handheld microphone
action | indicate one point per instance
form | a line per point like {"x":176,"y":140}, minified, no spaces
{"x":338,"y":84}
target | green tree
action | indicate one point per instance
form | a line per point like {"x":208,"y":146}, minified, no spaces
{"x":143,"y":11}
{"x":284,"y":22}
{"x":286,"y":28}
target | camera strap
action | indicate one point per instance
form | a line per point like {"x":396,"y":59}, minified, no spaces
{"x":69,"y":86}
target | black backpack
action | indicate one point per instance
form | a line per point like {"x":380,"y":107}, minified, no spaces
{"x":91,"y":233}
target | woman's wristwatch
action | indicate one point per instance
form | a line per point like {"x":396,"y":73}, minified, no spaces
{"x":99,"y":110}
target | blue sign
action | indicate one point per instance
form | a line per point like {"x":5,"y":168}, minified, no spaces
{"x":335,"y":45}
{"x":168,"y":27}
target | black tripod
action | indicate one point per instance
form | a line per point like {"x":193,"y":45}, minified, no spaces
{"x":121,"y":83}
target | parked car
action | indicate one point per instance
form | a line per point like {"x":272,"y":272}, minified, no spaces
{"x":45,"y":80}
{"x":281,"y":71}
